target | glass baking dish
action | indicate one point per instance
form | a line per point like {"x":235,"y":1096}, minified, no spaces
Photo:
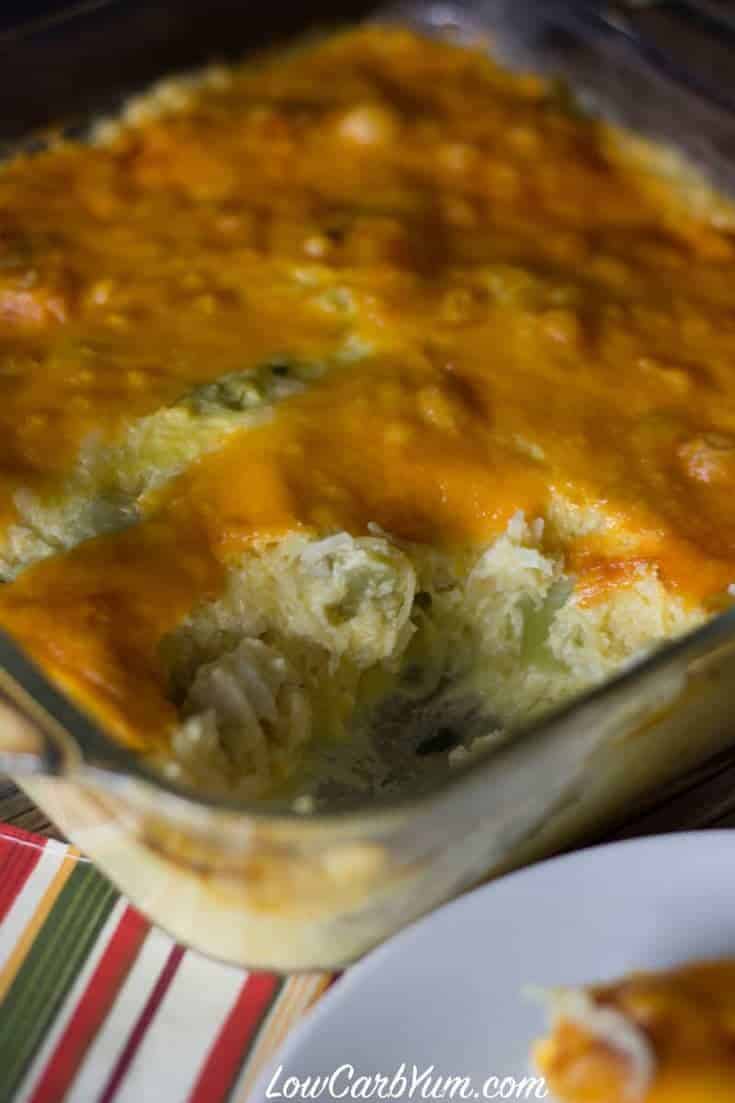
{"x":272,"y":887}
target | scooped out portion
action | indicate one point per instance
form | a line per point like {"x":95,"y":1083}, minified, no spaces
{"x":327,"y":669}
{"x":361,"y":405}
{"x":373,"y":663}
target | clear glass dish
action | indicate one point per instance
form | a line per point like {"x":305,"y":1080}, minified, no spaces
{"x":267,"y":886}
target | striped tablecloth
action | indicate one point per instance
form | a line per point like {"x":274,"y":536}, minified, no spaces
{"x":97,"y":1006}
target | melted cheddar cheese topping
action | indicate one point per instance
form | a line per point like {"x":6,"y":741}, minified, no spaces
{"x":686,"y":1018}
{"x":508,"y":309}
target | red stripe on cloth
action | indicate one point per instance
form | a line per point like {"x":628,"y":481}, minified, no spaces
{"x":25,"y":836}
{"x":93,"y":1006}
{"x":224,"y":1058}
{"x":144,"y":1020}
{"x":18,"y":858}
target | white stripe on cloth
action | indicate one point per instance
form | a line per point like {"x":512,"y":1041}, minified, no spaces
{"x":180,"y":1037}
{"x":24,"y":906}
{"x":70,"y":1003}
{"x":113,"y":1033}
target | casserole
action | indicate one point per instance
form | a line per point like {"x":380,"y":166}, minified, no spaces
{"x":283,"y":886}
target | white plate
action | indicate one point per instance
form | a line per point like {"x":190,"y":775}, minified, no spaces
{"x":451,"y":991}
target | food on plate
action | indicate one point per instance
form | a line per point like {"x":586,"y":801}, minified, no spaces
{"x":651,"y":1038}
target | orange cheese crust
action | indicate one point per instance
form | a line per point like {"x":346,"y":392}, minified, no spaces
{"x":548,"y":318}
{"x":687,"y":1018}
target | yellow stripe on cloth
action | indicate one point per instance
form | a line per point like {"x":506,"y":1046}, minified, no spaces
{"x":298,"y":994}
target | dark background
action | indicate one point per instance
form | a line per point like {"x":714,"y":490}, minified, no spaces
{"x":68,"y":71}
{"x":13,"y":12}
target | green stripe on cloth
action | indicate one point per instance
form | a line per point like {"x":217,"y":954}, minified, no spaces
{"x":51,"y":967}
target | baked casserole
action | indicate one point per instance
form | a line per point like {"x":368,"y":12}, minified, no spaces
{"x":361,"y":405}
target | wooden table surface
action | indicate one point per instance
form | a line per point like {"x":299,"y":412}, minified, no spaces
{"x":17,"y":810}
{"x":704,"y":799}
